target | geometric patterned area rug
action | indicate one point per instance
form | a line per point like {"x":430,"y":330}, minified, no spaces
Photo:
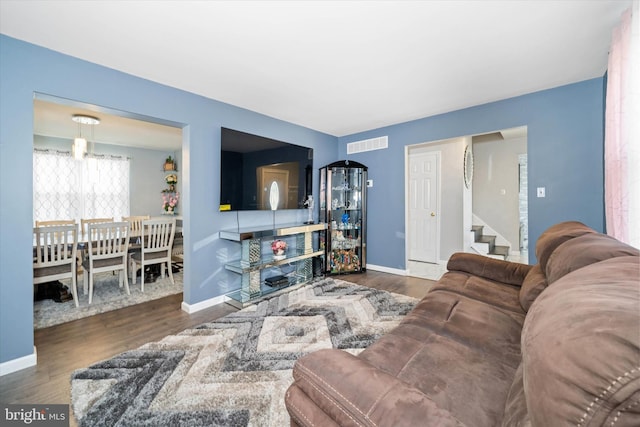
{"x":107,"y":296}
{"x":235,"y":370}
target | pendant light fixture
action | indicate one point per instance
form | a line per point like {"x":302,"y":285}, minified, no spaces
{"x":80,"y":143}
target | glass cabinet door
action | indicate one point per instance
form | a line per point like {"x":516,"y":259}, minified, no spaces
{"x":343,"y":208}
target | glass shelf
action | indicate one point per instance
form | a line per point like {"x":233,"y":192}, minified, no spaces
{"x":265,"y":290}
{"x":267,"y":261}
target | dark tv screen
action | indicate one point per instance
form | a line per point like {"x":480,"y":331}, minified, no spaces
{"x":258,"y":173}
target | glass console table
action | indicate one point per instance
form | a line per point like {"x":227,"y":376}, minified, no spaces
{"x":257,"y":259}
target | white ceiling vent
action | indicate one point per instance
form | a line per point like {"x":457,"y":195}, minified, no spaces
{"x":368,"y":145}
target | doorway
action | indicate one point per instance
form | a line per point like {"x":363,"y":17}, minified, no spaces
{"x":499,"y":199}
{"x":494,"y":182}
{"x":145,"y":143}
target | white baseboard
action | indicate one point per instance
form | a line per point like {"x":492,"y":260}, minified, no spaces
{"x":426,"y":270}
{"x":192,"y":308}
{"x":18,"y":364}
{"x":387,"y":269}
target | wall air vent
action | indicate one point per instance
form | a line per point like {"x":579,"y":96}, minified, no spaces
{"x":368,"y":145}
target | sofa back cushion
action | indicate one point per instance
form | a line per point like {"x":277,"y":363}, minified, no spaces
{"x":581,"y":348}
{"x":556,"y":235}
{"x":533,"y":284}
{"x":582,"y":251}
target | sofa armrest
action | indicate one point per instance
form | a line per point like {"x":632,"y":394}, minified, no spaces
{"x":512,"y":273}
{"x":351,"y":392}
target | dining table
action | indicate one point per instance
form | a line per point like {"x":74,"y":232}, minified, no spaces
{"x":134,"y":242}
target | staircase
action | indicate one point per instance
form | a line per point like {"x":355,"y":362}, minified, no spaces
{"x":486,"y":244}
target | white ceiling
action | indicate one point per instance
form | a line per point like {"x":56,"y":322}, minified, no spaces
{"x":54,"y":119}
{"x":339,"y":67}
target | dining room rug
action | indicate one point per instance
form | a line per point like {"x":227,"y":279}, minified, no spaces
{"x":107,"y":296}
{"x":235,"y":370}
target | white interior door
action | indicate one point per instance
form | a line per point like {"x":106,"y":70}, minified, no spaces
{"x":423,"y":235}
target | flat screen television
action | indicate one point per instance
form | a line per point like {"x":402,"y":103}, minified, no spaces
{"x":258,"y":173}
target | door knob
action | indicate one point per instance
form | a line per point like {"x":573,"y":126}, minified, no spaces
{"x":433,"y":214}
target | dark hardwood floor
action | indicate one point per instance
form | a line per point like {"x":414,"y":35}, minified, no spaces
{"x":61,"y":349}
{"x":411,"y":286}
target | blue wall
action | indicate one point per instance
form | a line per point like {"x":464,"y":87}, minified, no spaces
{"x":565,"y":155}
{"x":565,"y":134}
{"x":26,"y":69}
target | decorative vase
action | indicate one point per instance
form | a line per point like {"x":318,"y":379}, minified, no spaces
{"x":279,"y":248}
{"x":169,"y":164}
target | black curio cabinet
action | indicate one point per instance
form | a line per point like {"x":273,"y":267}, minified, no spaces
{"x":343,"y":207}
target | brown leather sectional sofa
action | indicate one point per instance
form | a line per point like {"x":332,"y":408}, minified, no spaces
{"x":496,"y":343}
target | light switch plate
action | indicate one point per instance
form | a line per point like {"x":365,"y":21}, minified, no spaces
{"x":541,"y":191}
{"x":369,"y":183}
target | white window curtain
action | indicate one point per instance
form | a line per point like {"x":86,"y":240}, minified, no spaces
{"x":622,"y":131}
{"x":64,"y":188}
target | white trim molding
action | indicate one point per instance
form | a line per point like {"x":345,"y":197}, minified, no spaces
{"x":387,"y":269}
{"x":18,"y":364}
{"x":192,"y":308}
{"x":425,"y":270}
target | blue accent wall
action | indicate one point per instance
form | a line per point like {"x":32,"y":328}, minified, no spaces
{"x":565,"y":155}
{"x":26,"y":69}
{"x":565,"y":148}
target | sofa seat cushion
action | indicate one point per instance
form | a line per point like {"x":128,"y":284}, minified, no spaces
{"x":459,"y":352}
{"x":581,"y":348}
{"x":476,"y":288}
{"x":515,"y":410}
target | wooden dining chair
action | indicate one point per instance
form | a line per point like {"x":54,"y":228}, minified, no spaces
{"x":84,"y":225}
{"x":54,"y":255}
{"x":49,"y":223}
{"x":136,"y":228}
{"x":55,"y":222}
{"x":135,"y":221}
{"x":157,"y":241}
{"x":177,"y":249}
{"x":107,"y":251}
{"x":84,"y":236}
